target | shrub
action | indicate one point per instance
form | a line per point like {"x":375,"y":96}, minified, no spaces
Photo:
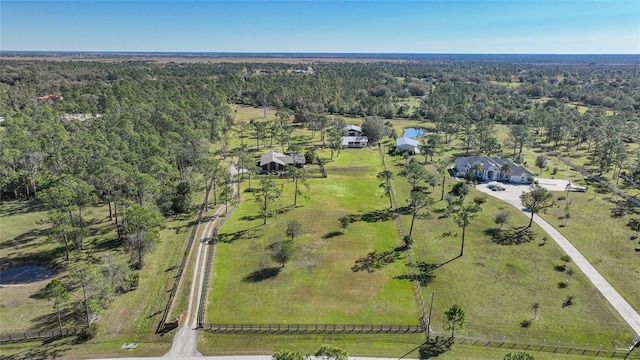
{"x":408,"y":241}
{"x":525,"y":323}
{"x":460,"y":189}
{"x":555,"y":170}
{"x":88,"y":333}
{"x":563,"y":285}
{"x":479,"y":200}
{"x":132,"y":281}
{"x":568,"y":301}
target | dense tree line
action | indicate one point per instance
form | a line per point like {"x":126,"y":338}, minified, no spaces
{"x":139,"y":133}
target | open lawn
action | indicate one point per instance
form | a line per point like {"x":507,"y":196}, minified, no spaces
{"x":378,"y":345}
{"x":593,"y":223}
{"x":318,"y":285}
{"x":497,"y":284}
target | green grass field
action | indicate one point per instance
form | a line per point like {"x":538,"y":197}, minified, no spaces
{"x":380,"y":345}
{"x":592,"y":222}
{"x":318,"y":285}
{"x":494,"y":284}
{"x":497,"y":284}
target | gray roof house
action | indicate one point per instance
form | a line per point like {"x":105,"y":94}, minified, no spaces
{"x":493,"y":169}
{"x":357,"y":142}
{"x":352,"y":130}
{"x":275,"y":161}
{"x":406,"y":144}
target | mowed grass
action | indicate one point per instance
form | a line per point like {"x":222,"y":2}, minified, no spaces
{"x":318,"y":285}
{"x":247,"y":113}
{"x":377,"y":345}
{"x":496,"y":284}
{"x":603,"y":238}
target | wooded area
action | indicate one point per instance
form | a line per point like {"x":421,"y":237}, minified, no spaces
{"x":143,"y":138}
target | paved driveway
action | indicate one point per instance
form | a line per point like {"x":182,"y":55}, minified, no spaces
{"x":511,"y":195}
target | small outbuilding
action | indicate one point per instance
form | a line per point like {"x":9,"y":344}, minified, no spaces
{"x":406,"y":144}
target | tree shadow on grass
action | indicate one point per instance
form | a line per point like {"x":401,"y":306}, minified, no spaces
{"x":378,"y":215}
{"x":511,"y":236}
{"x":25,"y":239}
{"x":424,"y":273}
{"x":50,"y":349}
{"x":331,"y":234}
{"x":251,"y":217}
{"x":247,"y":234}
{"x":435,"y":347}
{"x":262,"y":274}
{"x":68,"y":315}
{"x":376,"y":260}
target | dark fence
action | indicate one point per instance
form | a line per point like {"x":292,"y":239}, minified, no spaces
{"x":415,"y":283}
{"x":558,"y":347}
{"x":170,"y":303}
{"x":311,"y":328}
{"x":210,"y":255}
{"x":38,"y":335}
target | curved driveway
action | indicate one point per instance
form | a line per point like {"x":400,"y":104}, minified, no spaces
{"x":512,"y":194}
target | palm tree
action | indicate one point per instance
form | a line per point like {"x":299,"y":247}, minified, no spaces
{"x":417,"y":202}
{"x":386,"y":177}
{"x":505,"y":169}
{"x":463,"y":217}
{"x":441,"y":167}
{"x":477,"y":168}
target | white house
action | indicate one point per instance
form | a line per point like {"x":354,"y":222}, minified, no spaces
{"x":354,"y":142}
{"x":352,"y":130}
{"x":492,"y":169}
{"x":405,"y":144}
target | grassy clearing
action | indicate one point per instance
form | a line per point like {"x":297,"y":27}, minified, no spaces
{"x":246,"y":113}
{"x":25,"y":243}
{"x":132,"y":317}
{"x":496,"y":284}
{"x":318,"y":285}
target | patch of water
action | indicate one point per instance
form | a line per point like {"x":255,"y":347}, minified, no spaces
{"x":413,"y":133}
{"x":24,"y":275}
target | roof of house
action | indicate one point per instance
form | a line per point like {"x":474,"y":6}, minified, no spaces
{"x":406,"y":141}
{"x":350,"y":139}
{"x":353,"y":127}
{"x":491,"y":163}
{"x":282,"y":159}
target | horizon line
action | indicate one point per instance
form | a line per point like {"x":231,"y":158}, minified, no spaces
{"x":300,"y":53}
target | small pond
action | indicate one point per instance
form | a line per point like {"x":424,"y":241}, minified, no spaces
{"x":23,"y":275}
{"x":413,"y":133}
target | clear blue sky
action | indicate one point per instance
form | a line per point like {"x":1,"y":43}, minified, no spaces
{"x":559,"y":27}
